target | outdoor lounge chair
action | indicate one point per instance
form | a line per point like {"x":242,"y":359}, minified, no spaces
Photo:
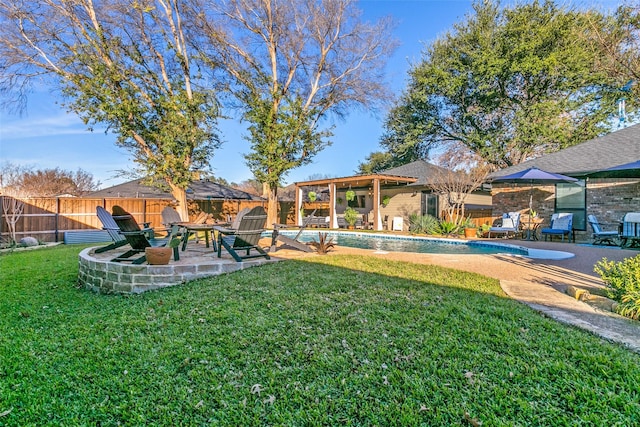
{"x":510,"y":225}
{"x":293,"y":242}
{"x":601,"y":237}
{"x":137,"y":237}
{"x":561,"y":225}
{"x":630,"y":235}
{"x":244,"y":238}
{"x":110,"y":226}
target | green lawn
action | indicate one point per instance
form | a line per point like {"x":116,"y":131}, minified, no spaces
{"x":335,"y":340}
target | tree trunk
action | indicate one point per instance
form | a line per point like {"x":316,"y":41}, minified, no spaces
{"x":180,"y":194}
{"x":272,"y":208}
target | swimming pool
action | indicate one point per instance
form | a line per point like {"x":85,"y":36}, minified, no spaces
{"x":395,"y":243}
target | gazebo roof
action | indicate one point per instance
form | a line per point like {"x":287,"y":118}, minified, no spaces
{"x":418,"y":172}
{"x":358,"y":180}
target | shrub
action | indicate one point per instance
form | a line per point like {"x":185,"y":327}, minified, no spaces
{"x":623,"y":284}
{"x":423,"y":224}
{"x":324,"y":243}
{"x":448,"y":228}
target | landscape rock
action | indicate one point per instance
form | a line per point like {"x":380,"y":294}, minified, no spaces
{"x":29,"y":241}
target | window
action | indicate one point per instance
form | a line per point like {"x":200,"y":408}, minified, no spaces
{"x":429,"y":204}
{"x":572,"y":197}
{"x":357,"y":202}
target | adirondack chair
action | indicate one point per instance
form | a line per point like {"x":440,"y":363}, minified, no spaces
{"x":510,"y":225}
{"x":187,"y":228}
{"x":561,"y":225}
{"x":137,"y":237}
{"x":600,"y":236}
{"x":170,"y":216}
{"x":293,"y":242}
{"x":245,"y":237}
{"x":110,"y":226}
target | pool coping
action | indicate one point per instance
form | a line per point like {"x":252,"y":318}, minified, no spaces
{"x":513,"y":250}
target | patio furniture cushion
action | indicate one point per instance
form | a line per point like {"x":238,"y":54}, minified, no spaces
{"x":600,"y":236}
{"x":630,"y":229}
{"x":561,"y":225}
{"x":510,"y":224}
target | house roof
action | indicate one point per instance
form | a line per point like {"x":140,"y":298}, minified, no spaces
{"x":612,"y":149}
{"x":198,"y":190}
{"x":419,"y":169}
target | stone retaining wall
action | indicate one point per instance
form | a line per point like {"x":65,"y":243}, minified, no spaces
{"x":104,"y":276}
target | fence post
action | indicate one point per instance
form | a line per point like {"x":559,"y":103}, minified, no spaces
{"x":1,"y":216}
{"x":57,"y":220}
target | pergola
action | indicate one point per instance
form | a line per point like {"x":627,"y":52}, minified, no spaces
{"x":371,"y":182}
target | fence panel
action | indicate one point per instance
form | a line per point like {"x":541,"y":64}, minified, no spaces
{"x":48,"y":218}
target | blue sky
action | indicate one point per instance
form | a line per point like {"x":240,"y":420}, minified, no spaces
{"x":47,"y":137}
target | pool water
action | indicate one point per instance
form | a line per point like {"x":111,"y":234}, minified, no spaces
{"x":382,"y":242}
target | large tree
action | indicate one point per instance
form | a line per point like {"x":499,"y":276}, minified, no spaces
{"x":616,"y":43}
{"x":509,"y":83}
{"x":124,"y":64}
{"x":53,"y":182}
{"x":292,"y":63}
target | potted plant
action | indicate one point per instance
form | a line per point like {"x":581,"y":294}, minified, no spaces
{"x":385,"y":200}
{"x":312,"y":196}
{"x":160,"y":255}
{"x":351,"y":216}
{"x":350,"y":195}
{"x":470,"y":228}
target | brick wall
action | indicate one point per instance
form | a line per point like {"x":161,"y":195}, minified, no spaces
{"x":607,"y":199}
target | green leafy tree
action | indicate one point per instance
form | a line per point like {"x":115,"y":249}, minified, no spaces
{"x":377,"y":162}
{"x":292,"y":64}
{"x":122,"y":64}
{"x":615,"y":41}
{"x":508,"y":83}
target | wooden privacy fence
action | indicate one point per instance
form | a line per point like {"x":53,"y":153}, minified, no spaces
{"x":47,"y":219}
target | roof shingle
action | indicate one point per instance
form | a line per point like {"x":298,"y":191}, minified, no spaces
{"x":612,"y":149}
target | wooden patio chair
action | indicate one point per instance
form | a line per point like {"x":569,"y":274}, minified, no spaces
{"x":137,"y":237}
{"x":110,"y":226}
{"x":170,"y":216}
{"x":245,"y":237}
